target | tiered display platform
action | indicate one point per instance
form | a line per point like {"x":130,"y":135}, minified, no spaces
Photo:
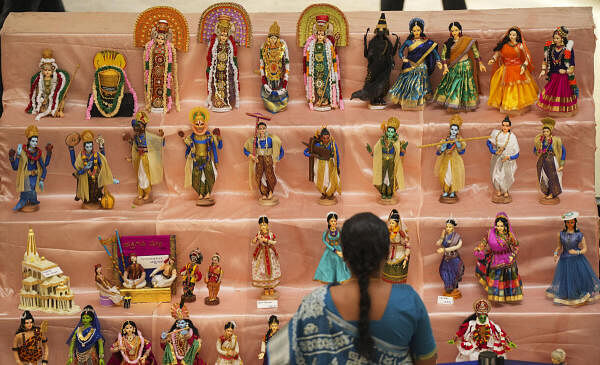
{"x":68,"y":235}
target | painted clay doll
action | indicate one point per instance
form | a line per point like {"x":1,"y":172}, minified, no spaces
{"x":496,"y":266}
{"x":504,"y":148}
{"x":146,"y":156}
{"x":449,"y":165}
{"x":30,"y":345}
{"x":512,"y":88}
{"x":86,"y":344}
{"x":109,"y":293}
{"x":273,"y":328}
{"x":412,"y":89}
{"x":274,"y":71}
{"x":324,"y":165}
{"x":228,"y":347}
{"x":134,"y":276}
{"x":263,"y":150}
{"x":332,"y":268}
{"x":478,"y":333}
{"x":395,"y":269}
{"x":190,"y":274}
{"x":182,"y":343}
{"x":574,"y":282}
{"x":164,"y":275}
{"x":201,"y":156}
{"x":131,"y":348}
{"x":213,"y":278}
{"x":161,"y":30}
{"x":459,"y":88}
{"x":451,"y":267}
{"x":109,"y":98}
{"x":92,"y":171}
{"x":558,"y":357}
{"x":380,"y":62}
{"x":551,"y":154}
{"x":266,"y":271}
{"x":49,"y":87}
{"x":29,"y":163}
{"x":559,"y":96}
{"x":321,"y":29}
{"x":388,"y":172}
{"x":225,"y":27}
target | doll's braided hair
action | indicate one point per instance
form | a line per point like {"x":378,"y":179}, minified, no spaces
{"x":365,"y":243}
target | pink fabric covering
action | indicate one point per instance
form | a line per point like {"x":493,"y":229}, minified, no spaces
{"x":68,"y":235}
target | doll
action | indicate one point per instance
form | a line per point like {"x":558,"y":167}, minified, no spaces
{"x":451,"y":266}
{"x":263,"y":150}
{"x":225,"y":27}
{"x":479,"y":333}
{"x":131,"y":347}
{"x":109,"y":293}
{"x":146,"y":156}
{"x":512,"y":88}
{"x":190,"y":274}
{"x":413,"y":88}
{"x":86,"y":344}
{"x":321,"y":29}
{"x":332,"y":268}
{"x":324,"y":165}
{"x":164,"y":275}
{"x":30,"y":345}
{"x":496,"y":267}
{"x":273,"y":328}
{"x":504,"y":148}
{"x":274,"y":71}
{"x":182,"y":343}
{"x":29,"y":163}
{"x":134,"y":276}
{"x":559,"y":96}
{"x":459,"y":87}
{"x":395,"y":269}
{"x":575,"y":282}
{"x":161,"y":30}
{"x":228,"y":347}
{"x":213,"y":278}
{"x":266,"y":272}
{"x":548,"y":148}
{"x":49,"y":87}
{"x":449,"y":165}
{"x":380,"y":63}
{"x":201,"y":156}
{"x":388,"y":173}
{"x":108,"y":98}
{"x":92,"y":172}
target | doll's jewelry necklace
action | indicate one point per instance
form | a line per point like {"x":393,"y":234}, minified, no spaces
{"x":85,"y":339}
{"x":557,"y":59}
{"x":125,"y":353}
{"x":505,"y":143}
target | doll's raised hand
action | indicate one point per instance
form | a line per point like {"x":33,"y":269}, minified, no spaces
{"x":11,"y":154}
{"x":482,"y":67}
{"x":440,"y":250}
{"x":542,"y":73}
{"x":163,"y":335}
{"x":445,"y":69}
{"x":19,"y":149}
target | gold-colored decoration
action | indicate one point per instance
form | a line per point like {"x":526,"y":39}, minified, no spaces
{"x":393,"y":122}
{"x":32,"y":131}
{"x":199,"y":113}
{"x":108,"y":200}
{"x":109,"y":79}
{"x":149,"y":18}
{"x":274,"y":29}
{"x":109,"y":58}
{"x":456,"y":120}
{"x":337,"y":20}
{"x":148,"y":295}
{"x":238,"y":18}
{"x":548,"y":123}
{"x":87,"y":136}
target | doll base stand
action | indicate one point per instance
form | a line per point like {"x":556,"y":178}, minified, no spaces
{"x":545,"y":201}
{"x":448,"y":199}
{"x":205,"y":202}
{"x":90,"y":206}
{"x":559,"y":114}
{"x":221,"y":110}
{"x":142,"y":201}
{"x":328,"y":202}
{"x":377,"y":106}
{"x":147,"y":295}
{"x":391,"y":201}
{"x":209,"y":301}
{"x":105,"y":301}
{"x":456,"y":294}
{"x":322,"y":108}
{"x":191,"y":298}
{"x":273,"y":296}
{"x":268,"y":202}
{"x":30,"y":208}
{"x":501,"y":199}
{"x":157,"y":110}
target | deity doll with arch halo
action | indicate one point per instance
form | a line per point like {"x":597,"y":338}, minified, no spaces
{"x":322,"y":28}
{"x":49,"y":87}
{"x":274,"y":71}
{"x":225,"y":27}
{"x":161,"y":31}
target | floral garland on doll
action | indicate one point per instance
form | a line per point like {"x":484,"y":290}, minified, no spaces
{"x":110,"y":109}
{"x":140,"y":352}
{"x":169,"y":75}
{"x":333,"y":74}
{"x":60,"y":79}
{"x":232,"y":60}
{"x":286,"y":61}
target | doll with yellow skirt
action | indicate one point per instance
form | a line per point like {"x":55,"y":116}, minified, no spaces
{"x":512,"y":88}
{"x":324,"y":165}
{"x":201,"y":156}
{"x":146,"y":156}
{"x":449,"y":166}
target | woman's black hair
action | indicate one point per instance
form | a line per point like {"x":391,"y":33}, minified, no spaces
{"x":411,"y":25}
{"x":574,"y":227}
{"x":325,"y":131}
{"x":365,"y":243}
{"x":452,"y":222}
{"x":272,"y":319}
{"x":262,"y":122}
{"x":189,"y":323}
{"x":25,"y":316}
{"x":470,"y":318}
{"x":450,"y":42}
{"x":132,"y":323}
{"x":565,"y":39}
{"x":329,"y":216}
{"x":507,"y":120}
{"x":263,"y":219}
{"x":89,"y":310}
{"x":506,"y":39}
{"x":394,"y":215}
{"x":230,"y":325}
{"x":504,"y":221}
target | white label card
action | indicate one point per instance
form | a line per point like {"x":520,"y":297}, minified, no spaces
{"x":51,"y":272}
{"x":445,"y":300}
{"x":266,"y":304}
{"x":151,"y":262}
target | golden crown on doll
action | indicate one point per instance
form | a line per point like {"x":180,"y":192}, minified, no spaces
{"x":31,"y":131}
{"x":393,"y":122}
{"x":548,"y":123}
{"x":456,"y":120}
{"x":274,"y":29}
{"x":481,"y":306}
{"x":87,"y":136}
{"x":109,"y":79}
{"x":224,"y":24}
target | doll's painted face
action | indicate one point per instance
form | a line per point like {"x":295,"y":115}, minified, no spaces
{"x":320,"y":35}
{"x":128,"y":330}
{"x":505,"y":127}
{"x":86,"y":319}
{"x":546,"y":132}
{"x":223,"y":36}
{"x":200,"y":126}
{"x":326,"y":138}
{"x":449,"y":228}
{"x":133,"y":259}
{"x":570,"y":224}
{"x":274,"y":327}
{"x":181,"y":324}
{"x":390,"y":133}
{"x":332,"y":224}
{"x":139,"y":128}
{"x":88,"y":147}
{"x":47,"y":71}
{"x":262,"y":130}
{"x":160,"y":39}
{"x":453,"y":131}
{"x":512,"y":36}
{"x":228,"y":333}
{"x":500,"y":228}
{"x":416,"y":31}
{"x":99,"y":270}
{"x":272,"y":40}
{"x":33,"y":142}
{"x":215,"y":260}
{"x":481,"y":317}
{"x":392,"y":224}
{"x":455,"y":31}
{"x":28,"y":324}
{"x":264,"y":227}
{"x":558,"y":41}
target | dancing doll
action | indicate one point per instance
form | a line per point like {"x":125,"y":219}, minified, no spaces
{"x":332,"y":268}
{"x":551,"y":155}
{"x":266,"y":271}
{"x":451,"y":267}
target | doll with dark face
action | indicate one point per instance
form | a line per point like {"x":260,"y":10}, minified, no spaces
{"x":30,"y":345}
{"x":190,"y":274}
{"x":324,"y":165}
